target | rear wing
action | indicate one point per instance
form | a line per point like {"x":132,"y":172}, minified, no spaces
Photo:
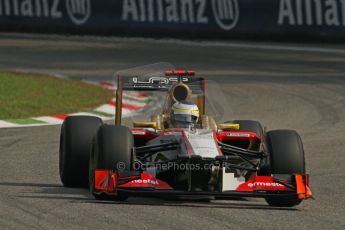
{"x":159,"y":83}
{"x":164,"y":83}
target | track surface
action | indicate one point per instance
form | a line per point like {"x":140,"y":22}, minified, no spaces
{"x":303,"y":90}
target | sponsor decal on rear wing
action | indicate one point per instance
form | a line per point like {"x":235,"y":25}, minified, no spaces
{"x":163,"y":83}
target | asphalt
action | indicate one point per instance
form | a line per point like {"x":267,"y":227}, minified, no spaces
{"x":277,"y":84}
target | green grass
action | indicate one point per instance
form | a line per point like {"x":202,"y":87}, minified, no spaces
{"x":25,"y":95}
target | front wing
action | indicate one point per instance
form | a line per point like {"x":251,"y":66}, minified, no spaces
{"x":144,"y":184}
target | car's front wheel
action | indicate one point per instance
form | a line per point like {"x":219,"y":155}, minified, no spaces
{"x":287,"y":157}
{"x":112,"y":150}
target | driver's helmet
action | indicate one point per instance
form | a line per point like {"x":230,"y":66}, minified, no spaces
{"x":183,"y":114}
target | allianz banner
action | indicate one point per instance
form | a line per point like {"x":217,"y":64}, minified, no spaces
{"x":199,"y":18}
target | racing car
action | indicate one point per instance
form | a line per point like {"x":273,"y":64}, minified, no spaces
{"x":181,"y":151}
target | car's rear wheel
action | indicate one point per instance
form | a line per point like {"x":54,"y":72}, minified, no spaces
{"x":75,"y":145}
{"x":287,"y":157}
{"x":112,"y":150}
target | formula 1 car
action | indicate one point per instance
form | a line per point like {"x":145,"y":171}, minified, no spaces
{"x":206,"y":159}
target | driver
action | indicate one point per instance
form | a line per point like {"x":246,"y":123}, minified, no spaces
{"x":184,"y":114}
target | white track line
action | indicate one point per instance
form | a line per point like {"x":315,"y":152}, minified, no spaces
{"x":49,"y":120}
{"x":4,"y":124}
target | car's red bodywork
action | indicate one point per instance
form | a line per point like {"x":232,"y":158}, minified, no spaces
{"x":110,"y":182}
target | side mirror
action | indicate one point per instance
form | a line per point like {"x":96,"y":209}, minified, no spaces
{"x":144,"y":124}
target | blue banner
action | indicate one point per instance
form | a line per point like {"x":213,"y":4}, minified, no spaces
{"x":198,"y":18}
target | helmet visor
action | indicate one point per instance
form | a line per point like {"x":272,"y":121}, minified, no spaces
{"x":183,"y":118}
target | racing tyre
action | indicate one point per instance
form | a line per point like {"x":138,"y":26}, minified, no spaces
{"x":112,"y":150}
{"x":287,"y":157}
{"x":75,"y":145}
